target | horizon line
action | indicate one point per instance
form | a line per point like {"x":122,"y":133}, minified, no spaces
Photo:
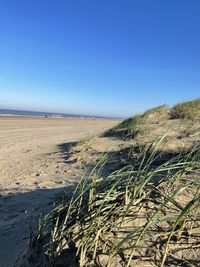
{"x":59,"y":113}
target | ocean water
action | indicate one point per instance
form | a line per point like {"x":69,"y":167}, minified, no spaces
{"x":12,"y":112}
{"x":25,"y":113}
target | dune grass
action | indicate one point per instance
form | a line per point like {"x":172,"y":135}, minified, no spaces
{"x":141,"y":215}
{"x":186,"y":110}
{"x":163,"y":109}
{"x":127,"y":129}
{"x":146,"y":213}
{"x":130,"y":127}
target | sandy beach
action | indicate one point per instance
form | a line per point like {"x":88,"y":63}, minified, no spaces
{"x":33,"y":170}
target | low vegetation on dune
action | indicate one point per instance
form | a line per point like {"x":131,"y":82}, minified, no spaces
{"x":137,"y":203}
{"x":188,"y":114}
{"x":126,"y":129}
{"x":129,"y":128}
{"x":187,"y":110}
{"x":157,"y":111}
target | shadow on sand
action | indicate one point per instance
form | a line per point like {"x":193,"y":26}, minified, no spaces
{"x":65,"y":150}
{"x":19,"y":211}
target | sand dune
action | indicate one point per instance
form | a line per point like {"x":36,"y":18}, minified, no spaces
{"x":33,"y":171}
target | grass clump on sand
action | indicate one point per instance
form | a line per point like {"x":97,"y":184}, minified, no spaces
{"x":131,"y":127}
{"x":127,"y":129}
{"x":163,"y":109}
{"x":186,"y":110}
{"x":145,"y":128}
{"x":144,"y":214}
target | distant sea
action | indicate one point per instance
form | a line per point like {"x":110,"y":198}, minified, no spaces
{"x":25,"y":113}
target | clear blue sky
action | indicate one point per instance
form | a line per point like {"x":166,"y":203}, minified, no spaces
{"x":102,"y":57}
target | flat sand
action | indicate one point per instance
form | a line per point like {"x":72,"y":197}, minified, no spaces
{"x":33,"y":170}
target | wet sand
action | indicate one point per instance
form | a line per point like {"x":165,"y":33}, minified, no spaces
{"x":33,"y":170}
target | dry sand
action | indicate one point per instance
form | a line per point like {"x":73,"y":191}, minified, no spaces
{"x":33,"y":170}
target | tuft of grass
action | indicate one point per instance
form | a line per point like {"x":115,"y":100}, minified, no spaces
{"x":129,"y":123}
{"x":130,"y":127}
{"x":141,"y":214}
{"x":186,"y":110}
{"x":163,"y":109}
{"x":145,"y":126}
{"x":127,"y":129}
